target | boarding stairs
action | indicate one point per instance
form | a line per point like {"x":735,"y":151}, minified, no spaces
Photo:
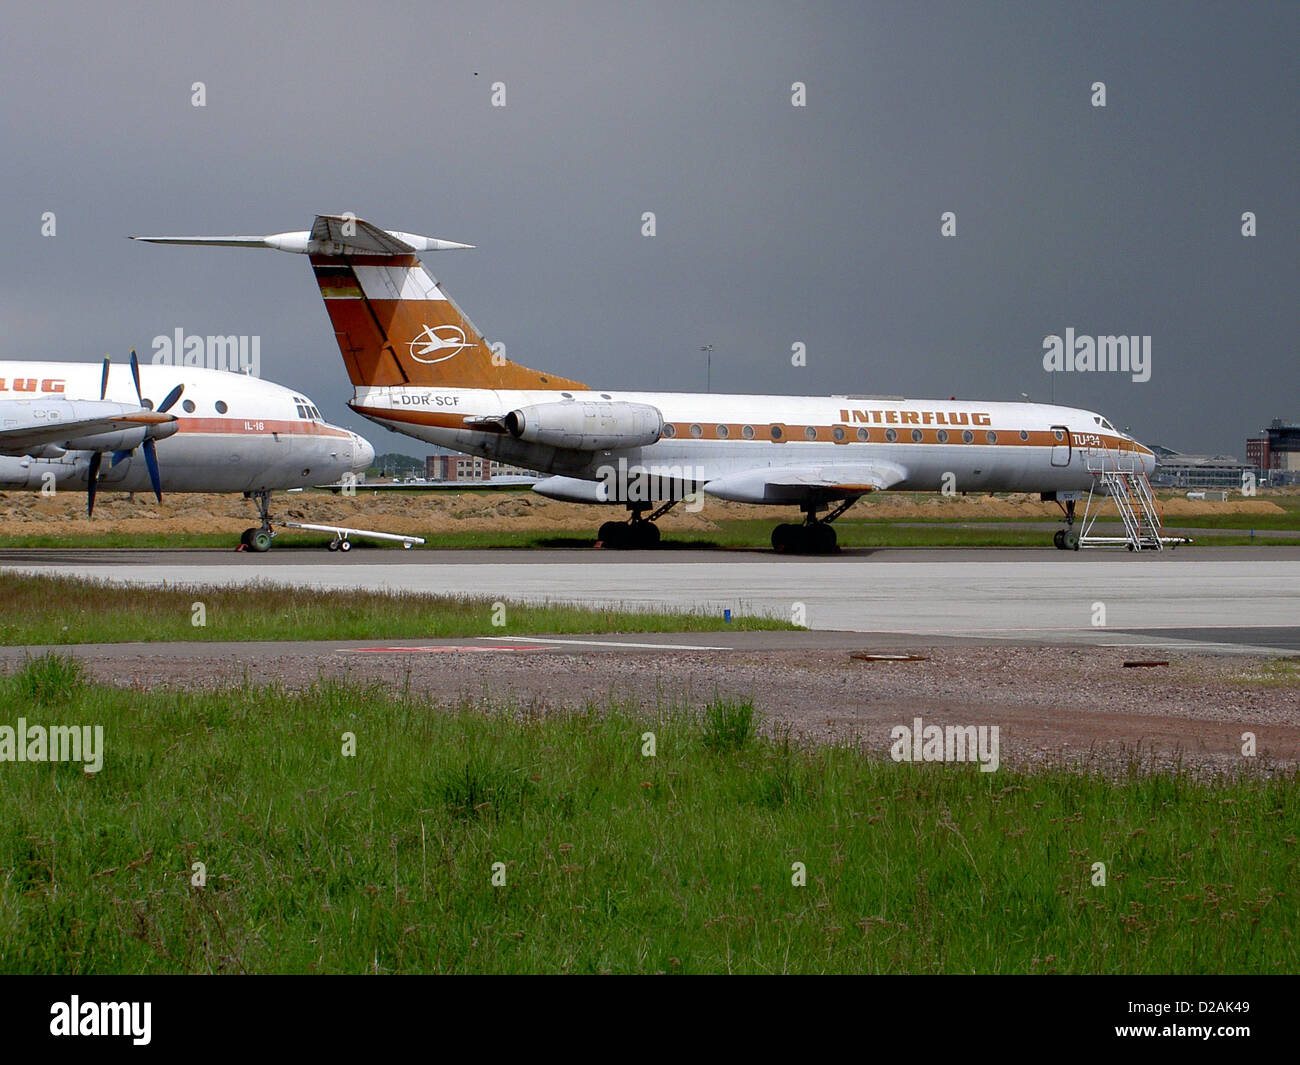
{"x":1118,"y":474}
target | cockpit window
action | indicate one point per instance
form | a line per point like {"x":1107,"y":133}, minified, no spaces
{"x":305,"y":409}
{"x":1103,"y":422}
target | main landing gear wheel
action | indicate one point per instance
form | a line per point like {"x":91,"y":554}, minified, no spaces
{"x":345,"y":546}
{"x":784,"y":537}
{"x":815,"y":538}
{"x":627,"y":536}
{"x":1058,"y":539}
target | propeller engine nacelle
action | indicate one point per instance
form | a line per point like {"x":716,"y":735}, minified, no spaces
{"x":586,"y":426}
{"x":123,"y":439}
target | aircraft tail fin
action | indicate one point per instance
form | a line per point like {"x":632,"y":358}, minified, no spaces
{"x":394,"y":323}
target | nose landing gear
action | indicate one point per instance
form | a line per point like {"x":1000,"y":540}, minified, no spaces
{"x":1067,"y":539}
{"x":259,"y":539}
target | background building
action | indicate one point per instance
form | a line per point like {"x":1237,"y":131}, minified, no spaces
{"x":1275,"y":452}
{"x":445,"y":465}
{"x":1177,"y":470}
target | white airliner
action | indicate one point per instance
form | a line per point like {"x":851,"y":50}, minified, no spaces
{"x":165,"y":428}
{"x":419,"y":366}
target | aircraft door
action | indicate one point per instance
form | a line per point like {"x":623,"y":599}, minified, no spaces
{"x":1061,"y":449}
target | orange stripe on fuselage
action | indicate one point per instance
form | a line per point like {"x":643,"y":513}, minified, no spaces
{"x":794,"y":434}
{"x":258,"y":427}
{"x":415,"y":417}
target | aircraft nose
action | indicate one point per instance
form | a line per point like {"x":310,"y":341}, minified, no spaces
{"x":365,"y":453}
{"x":1148,"y":459}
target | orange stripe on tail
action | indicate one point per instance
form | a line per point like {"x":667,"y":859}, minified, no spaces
{"x":396,"y":326}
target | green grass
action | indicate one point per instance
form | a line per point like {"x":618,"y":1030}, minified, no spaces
{"x":613,"y":861}
{"x":859,"y":528}
{"x":1272,"y":673}
{"x":733,"y":535}
{"x":42,"y":610}
{"x":170,"y":540}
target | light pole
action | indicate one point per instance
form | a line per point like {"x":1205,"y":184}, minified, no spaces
{"x":708,"y":351}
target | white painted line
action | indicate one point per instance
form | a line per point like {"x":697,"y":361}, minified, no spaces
{"x":614,"y":643}
{"x":441,"y":648}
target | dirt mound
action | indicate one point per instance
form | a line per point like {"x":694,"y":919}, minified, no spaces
{"x":29,"y":513}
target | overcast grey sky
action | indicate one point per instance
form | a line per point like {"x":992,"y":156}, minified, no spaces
{"x":775,"y":223}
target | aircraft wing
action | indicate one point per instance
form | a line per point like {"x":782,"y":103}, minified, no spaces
{"x":806,"y":484}
{"x":31,"y":423}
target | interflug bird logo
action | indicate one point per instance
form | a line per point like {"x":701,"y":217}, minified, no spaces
{"x":442,"y":341}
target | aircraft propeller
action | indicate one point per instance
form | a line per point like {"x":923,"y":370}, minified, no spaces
{"x":150,"y":453}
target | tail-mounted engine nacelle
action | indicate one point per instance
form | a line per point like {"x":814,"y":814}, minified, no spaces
{"x":586,"y":426}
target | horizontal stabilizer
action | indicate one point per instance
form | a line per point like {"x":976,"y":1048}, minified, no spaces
{"x":329,"y":235}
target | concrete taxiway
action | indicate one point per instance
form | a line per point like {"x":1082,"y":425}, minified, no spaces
{"x":1212,"y":599}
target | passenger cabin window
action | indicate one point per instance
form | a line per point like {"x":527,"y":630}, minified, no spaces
{"x":221,"y":406}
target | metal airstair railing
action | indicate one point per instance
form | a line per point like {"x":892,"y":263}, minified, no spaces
{"x":1118,"y":474}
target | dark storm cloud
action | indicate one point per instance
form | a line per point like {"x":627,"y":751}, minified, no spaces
{"x":775,"y":224}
